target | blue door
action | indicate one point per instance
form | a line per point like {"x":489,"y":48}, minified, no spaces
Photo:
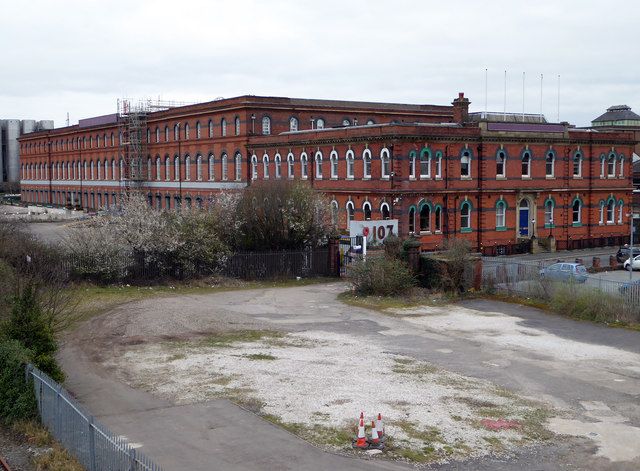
{"x":524,"y":221}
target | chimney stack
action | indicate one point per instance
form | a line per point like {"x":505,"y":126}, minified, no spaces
{"x":461,"y":109}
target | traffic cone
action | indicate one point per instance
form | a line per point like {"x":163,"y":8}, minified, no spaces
{"x":380,"y":427}
{"x":361,"y":440}
{"x":375,"y":439}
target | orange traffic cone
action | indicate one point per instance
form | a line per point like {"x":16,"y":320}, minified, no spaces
{"x":361,"y":440}
{"x":375,"y":439}
{"x":380,"y":427}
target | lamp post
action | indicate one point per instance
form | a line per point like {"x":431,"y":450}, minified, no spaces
{"x":631,"y":257}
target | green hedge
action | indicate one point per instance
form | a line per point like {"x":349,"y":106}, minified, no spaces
{"x":17,"y":399}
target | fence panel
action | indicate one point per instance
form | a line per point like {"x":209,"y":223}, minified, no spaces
{"x":95,"y":447}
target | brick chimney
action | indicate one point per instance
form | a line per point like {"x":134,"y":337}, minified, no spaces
{"x":461,"y":109}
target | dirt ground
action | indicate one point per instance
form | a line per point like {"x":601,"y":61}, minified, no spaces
{"x":15,"y":450}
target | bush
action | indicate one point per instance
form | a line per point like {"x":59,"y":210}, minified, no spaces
{"x":430,"y":273}
{"x":587,"y":304}
{"x":17,"y":400}
{"x":383,"y":276}
{"x":457,"y":271}
{"x":28,"y":325}
{"x":393,"y":246}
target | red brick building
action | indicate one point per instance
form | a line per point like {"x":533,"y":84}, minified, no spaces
{"x":441,"y":172}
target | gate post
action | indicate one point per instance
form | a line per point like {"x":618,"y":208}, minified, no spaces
{"x":413,"y":251}
{"x":334,"y":256}
{"x":92,"y":445}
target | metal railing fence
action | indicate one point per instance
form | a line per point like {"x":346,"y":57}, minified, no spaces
{"x":95,"y":447}
{"x":524,"y":279}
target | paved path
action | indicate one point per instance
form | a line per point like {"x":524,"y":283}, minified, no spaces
{"x":591,"y":371}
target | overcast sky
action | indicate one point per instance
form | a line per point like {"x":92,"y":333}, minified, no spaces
{"x":81,"y":56}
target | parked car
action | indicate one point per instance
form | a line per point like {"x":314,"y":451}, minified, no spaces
{"x":636,"y":263}
{"x":623,"y":253}
{"x":562,"y":271}
{"x":631,"y":288}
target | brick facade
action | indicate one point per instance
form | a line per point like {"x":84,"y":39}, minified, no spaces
{"x":400,"y":161}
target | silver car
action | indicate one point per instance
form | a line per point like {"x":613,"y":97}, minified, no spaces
{"x":562,"y":271}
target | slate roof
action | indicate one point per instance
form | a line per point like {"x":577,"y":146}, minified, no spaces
{"x":617,"y":113}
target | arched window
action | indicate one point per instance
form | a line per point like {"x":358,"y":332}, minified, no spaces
{"x":176,"y":168}
{"x":223,"y":127}
{"x":167,"y":168}
{"x":412,"y":165}
{"x":290,"y":165}
{"x":620,"y":213}
{"x":425,"y":163}
{"x":384,"y":211}
{"x":187,"y":131}
{"x":293,"y":125}
{"x":158,"y":168}
{"x":621,"y":171}
{"x":366,"y":162}
{"x":187,"y":168}
{"x":350,"y":158}
{"x":577,"y":165}
{"x":106,"y":169}
{"x":465,"y":164}
{"x":549,"y":164}
{"x":176,"y":132}
{"x":412,"y":220}
{"x":501,"y":208}
{"x":366,"y":209}
{"x":318,"y":165}
{"x":611,"y":165}
{"x":210,"y":125}
{"x":254,"y":167}
{"x":304,"y":170}
{"x":238,"y":166}
{"x":236,"y":125}
{"x":265,"y":166}
{"x":157,"y":134}
{"x":526,"y":164}
{"x":120,"y":169}
{"x":501,"y":160}
{"x":611,"y":211}
{"x":576,"y":211}
{"x":425,"y":218}
{"x":465,"y":216}
{"x":211,"y":162}
{"x":319,"y":123}
{"x":92,"y":170}
{"x":351,"y":211}
{"x":266,"y":125}
{"x":601,"y":220}
{"x":438,"y":218}
{"x":225,"y":166}
{"x":385,"y":163}
{"x":438,"y":165}
{"x":166,"y":134}
{"x":277,"y":160}
{"x":548,"y":213}
{"x":334,"y":165}
{"x":199,"y":167}
{"x":334,"y":212}
{"x":198,"y":130}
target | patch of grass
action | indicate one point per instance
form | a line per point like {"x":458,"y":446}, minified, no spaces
{"x":426,"y":455}
{"x":33,"y":432}
{"x":533,"y":424}
{"x":475,"y":403}
{"x":260,"y":356}
{"x":412,"y":367}
{"x":54,"y":459}
{"x":495,"y":443}
{"x":222,"y":380}
{"x":176,"y":356}
{"x":328,"y":436}
{"x":226,"y":339}
{"x":428,"y":436}
{"x":416,"y":297}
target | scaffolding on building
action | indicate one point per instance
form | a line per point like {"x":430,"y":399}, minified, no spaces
{"x":134,"y":137}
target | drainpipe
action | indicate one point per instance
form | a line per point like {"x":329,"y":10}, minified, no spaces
{"x":480,"y":176}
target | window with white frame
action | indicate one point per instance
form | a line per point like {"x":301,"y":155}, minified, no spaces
{"x":603,"y":163}
{"x":526,"y":164}
{"x":318,"y":160}
{"x":465,"y":215}
{"x":548,"y":213}
{"x":176,"y":132}
{"x":425,"y":163}
{"x":350,"y":159}
{"x":304,"y":169}
{"x":621,"y":171}
{"x":465,"y":164}
{"x":438,"y":165}
{"x":319,"y":123}
{"x":412,"y":165}
{"x":238,"y":166}
{"x":577,"y":165}
{"x":211,"y":162}
{"x":293,"y":124}
{"x":549,"y":165}
{"x":277,"y":160}
{"x":198,"y":167}
{"x":187,"y":168}
{"x":254,"y":167}
{"x":334,"y":212}
{"x":224,"y":166}
{"x":157,"y":134}
{"x":266,"y":125}
{"x":223,"y":127}
{"x":366,"y":161}
{"x":438,"y":218}
{"x":210,"y":128}
{"x":290,"y":165}
{"x":158,"y":169}
{"x":334,"y":165}
{"x":620,"y":213}
{"x":425,"y":218}
{"x":187,"y":131}
{"x":121,"y":169}
{"x":106,"y":169}
{"x":611,"y":165}
{"x":166,"y":134}
{"x":601,"y":220}
{"x":501,"y":209}
{"x":176,"y":168}
{"x":236,"y":124}
{"x":167,"y":169}
{"x":351,"y":211}
{"x":611,"y":211}
{"x":265,"y":166}
{"x":385,"y":163}
{"x":366,"y":209}
{"x":501,"y":160}
{"x":576,"y":211}
{"x":412,"y":220}
{"x":384,"y":211}
{"x":198,"y":130}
